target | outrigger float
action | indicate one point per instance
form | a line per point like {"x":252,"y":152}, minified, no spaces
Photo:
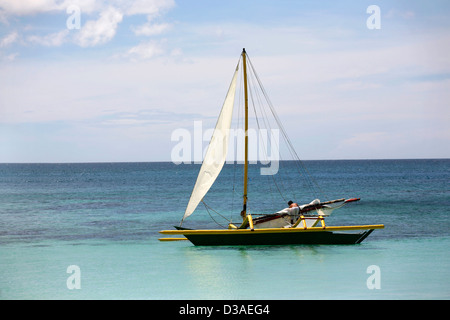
{"x":297,"y":224}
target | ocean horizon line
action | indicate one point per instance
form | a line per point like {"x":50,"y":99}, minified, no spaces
{"x":195,"y":162}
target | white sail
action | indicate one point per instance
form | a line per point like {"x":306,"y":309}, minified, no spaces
{"x":216,"y":154}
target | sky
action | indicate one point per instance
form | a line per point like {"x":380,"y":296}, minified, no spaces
{"x":110,"y":81}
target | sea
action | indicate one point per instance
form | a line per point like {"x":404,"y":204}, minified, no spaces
{"x":82,"y":231}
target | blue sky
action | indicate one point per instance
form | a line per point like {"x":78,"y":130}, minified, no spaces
{"x":135,"y":71}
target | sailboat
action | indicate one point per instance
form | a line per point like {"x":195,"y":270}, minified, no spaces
{"x":296,"y":224}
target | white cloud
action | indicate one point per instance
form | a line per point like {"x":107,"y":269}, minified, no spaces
{"x":52,"y":40}
{"x":125,"y":122}
{"x":5,"y":42}
{"x":365,"y":139}
{"x":152,"y":7}
{"x":145,"y":50}
{"x":100,"y":31}
{"x":93,"y":32}
{"x":29,"y":7}
{"x":149,"y":29}
{"x":9,"y":39}
{"x":25,"y":7}
{"x":10,"y":57}
{"x":393,"y":13}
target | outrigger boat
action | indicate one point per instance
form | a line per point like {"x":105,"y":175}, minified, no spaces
{"x":297,"y":224}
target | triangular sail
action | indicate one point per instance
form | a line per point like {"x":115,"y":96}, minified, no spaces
{"x":217,"y":151}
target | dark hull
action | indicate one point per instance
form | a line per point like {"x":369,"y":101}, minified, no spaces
{"x":282,"y":238}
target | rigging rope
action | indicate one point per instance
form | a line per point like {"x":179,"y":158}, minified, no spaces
{"x":209,"y":208}
{"x":262,"y":119}
{"x":264,"y":147}
{"x":299,"y":164}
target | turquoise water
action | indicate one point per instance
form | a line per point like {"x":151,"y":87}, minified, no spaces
{"x":104,"y":218}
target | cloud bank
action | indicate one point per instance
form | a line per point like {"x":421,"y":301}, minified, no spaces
{"x":101,"y":19}
{"x":134,"y":71}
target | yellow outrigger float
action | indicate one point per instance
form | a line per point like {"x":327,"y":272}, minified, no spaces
{"x":293,"y":225}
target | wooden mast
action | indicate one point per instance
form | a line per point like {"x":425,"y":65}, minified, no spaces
{"x":244,"y":62}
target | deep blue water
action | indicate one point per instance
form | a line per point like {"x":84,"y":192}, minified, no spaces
{"x":105,"y":218}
